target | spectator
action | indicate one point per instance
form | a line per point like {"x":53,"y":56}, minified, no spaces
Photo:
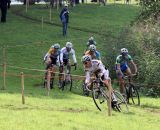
{"x":4,"y":4}
{"x":64,"y":16}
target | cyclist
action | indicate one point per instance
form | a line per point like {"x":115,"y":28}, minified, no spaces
{"x":93,"y":52}
{"x":91,"y":41}
{"x":52,"y":58}
{"x":96,"y":67}
{"x":64,"y":57}
{"x":122,"y":67}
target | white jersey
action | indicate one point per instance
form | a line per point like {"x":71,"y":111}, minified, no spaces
{"x":65,"y":54}
{"x":96,"y":67}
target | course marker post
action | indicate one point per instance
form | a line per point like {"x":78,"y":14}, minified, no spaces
{"x":42,"y":23}
{"x":22,"y":85}
{"x":50,"y":13}
{"x":4,"y":76}
{"x":48,"y":82}
{"x":109,"y":102}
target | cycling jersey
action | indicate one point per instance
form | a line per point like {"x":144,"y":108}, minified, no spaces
{"x":95,"y":55}
{"x":97,"y":67}
{"x":123,"y":60}
{"x":53,"y":55}
{"x":65,"y":55}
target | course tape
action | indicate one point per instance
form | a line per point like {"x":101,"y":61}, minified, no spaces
{"x":78,"y":77}
{"x":39,"y":70}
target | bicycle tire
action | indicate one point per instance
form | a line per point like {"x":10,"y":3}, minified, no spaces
{"x":99,"y":100}
{"x":84,"y":90}
{"x":121,"y":104}
{"x":71,"y":83}
{"x":134,"y":95}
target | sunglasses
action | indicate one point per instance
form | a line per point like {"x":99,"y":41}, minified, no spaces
{"x":85,"y":63}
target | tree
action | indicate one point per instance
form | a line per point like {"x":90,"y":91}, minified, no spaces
{"x":150,"y":8}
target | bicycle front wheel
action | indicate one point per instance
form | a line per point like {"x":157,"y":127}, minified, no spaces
{"x":121,"y":105}
{"x":99,"y":100}
{"x":134,"y":95}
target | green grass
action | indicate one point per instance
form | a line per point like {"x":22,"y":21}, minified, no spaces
{"x":64,"y":110}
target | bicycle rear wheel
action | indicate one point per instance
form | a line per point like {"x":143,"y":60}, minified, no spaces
{"x":121,"y":104}
{"x":99,"y":99}
{"x":134,"y":95}
{"x":71,"y":83}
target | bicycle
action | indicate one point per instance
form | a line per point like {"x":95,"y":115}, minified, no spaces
{"x":66,"y":79}
{"x":131,"y":91}
{"x":50,"y":74}
{"x":100,"y":96}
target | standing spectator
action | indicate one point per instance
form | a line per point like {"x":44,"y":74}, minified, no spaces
{"x":4,"y":4}
{"x":64,"y":16}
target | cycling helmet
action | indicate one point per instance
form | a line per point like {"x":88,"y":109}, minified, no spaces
{"x":69,"y":45}
{"x":65,"y":4}
{"x":86,"y":58}
{"x":124,"y":51}
{"x":91,"y":41}
{"x":92,"y":48}
{"x":56,"y":46}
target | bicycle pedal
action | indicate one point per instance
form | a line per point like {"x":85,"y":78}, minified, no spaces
{"x":102,"y":102}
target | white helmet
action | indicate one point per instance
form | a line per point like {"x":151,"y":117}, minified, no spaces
{"x":92,"y":48}
{"x":65,"y":4}
{"x":86,"y":58}
{"x":56,"y":46}
{"x":91,"y":39}
{"x":69,"y":45}
{"x":124,"y":51}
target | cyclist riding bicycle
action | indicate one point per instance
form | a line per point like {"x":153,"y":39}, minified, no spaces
{"x":93,"y":52}
{"x":52,"y":57}
{"x":91,"y":41}
{"x":96,"y":67}
{"x":65,"y":57}
{"x":122,"y":68}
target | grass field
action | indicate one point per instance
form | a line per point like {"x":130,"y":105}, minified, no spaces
{"x":63,"y":110}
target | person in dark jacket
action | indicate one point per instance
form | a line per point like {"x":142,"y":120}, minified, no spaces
{"x":64,"y":16}
{"x":4,"y":4}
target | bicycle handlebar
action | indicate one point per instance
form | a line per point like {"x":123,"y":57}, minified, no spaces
{"x":132,"y":75}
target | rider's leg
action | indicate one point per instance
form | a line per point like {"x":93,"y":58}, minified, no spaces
{"x":61,"y":68}
{"x":68,"y":68}
{"x":68,"y":71}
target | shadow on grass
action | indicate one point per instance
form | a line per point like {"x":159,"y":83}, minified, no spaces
{"x":46,"y":108}
{"x":150,"y":106}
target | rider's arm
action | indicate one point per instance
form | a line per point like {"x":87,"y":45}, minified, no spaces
{"x":45,"y":57}
{"x":98,"y":55}
{"x":74,"y":56}
{"x":87,"y":80}
{"x":118,"y":66}
{"x":134,"y":65}
{"x":61,"y":57}
{"x":132,"y":62}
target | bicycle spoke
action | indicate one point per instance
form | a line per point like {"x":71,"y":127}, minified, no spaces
{"x":121,"y":105}
{"x":134,"y":95}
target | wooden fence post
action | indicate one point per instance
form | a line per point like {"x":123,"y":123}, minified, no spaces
{"x":22,"y":85}
{"x":48,"y":82}
{"x":57,"y":3}
{"x":109,"y":102}
{"x":50,"y":14}
{"x":4,"y":76}
{"x":42,"y":23}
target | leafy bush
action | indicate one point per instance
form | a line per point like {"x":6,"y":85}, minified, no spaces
{"x":150,"y":8}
